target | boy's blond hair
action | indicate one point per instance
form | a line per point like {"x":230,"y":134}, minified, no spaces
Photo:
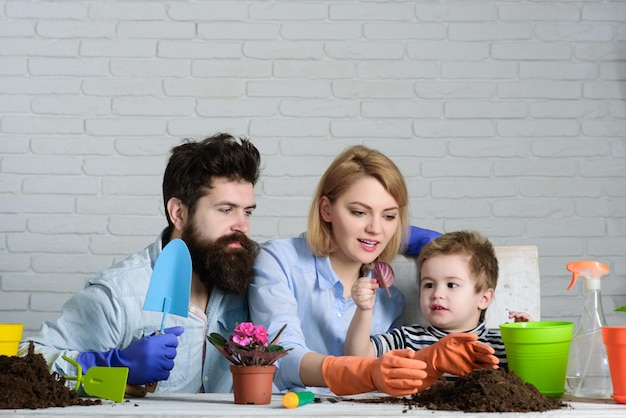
{"x":353,"y":164}
{"x":483,"y":264}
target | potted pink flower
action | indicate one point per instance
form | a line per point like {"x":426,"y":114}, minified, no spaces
{"x":248,"y":346}
{"x":252,"y":355}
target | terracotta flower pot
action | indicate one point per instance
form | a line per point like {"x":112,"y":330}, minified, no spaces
{"x":614,"y":338}
{"x":252,"y":384}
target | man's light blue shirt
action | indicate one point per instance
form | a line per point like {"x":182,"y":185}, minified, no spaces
{"x":109,"y":313}
{"x":293,"y":287}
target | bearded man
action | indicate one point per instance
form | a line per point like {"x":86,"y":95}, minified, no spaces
{"x":208,"y":193}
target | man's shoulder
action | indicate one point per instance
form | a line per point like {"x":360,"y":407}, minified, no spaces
{"x":134,"y":269}
{"x":293,"y":246}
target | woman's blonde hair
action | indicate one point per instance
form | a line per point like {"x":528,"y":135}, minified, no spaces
{"x":352,"y":164}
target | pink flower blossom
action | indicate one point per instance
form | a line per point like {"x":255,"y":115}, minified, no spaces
{"x":260,"y":334}
{"x":241,"y":339}
{"x":249,"y":346}
{"x":246,"y":328}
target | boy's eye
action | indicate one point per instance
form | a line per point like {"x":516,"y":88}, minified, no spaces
{"x":248,"y":212}
{"x":427,"y":285}
{"x":452,"y":285}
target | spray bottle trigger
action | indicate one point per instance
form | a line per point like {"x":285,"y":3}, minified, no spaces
{"x":589,"y":269}
{"x":573,"y":282}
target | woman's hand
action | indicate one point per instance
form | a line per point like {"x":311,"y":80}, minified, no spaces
{"x":364,"y":293}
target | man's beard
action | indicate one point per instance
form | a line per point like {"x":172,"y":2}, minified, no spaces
{"x":229,"y":269}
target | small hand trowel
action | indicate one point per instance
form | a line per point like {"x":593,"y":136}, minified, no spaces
{"x":383,"y":273}
{"x":170,"y":284}
{"x":168,"y":292}
{"x":102,"y":382}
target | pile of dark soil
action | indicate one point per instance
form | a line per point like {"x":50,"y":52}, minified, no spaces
{"x":483,"y":390}
{"x":486,"y":390}
{"x":26,"y":383}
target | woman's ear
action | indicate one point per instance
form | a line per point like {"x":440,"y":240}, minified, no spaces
{"x":178,"y":213}
{"x":325,"y":209}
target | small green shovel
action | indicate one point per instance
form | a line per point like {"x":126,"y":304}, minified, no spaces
{"x":102,"y":382}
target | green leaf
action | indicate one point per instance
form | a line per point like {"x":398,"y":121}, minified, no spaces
{"x":621,"y":309}
{"x":278,"y":335}
{"x":217,"y":340}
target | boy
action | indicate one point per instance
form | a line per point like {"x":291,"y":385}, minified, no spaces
{"x":458,"y":276}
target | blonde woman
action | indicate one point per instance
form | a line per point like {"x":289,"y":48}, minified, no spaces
{"x":359,"y":215}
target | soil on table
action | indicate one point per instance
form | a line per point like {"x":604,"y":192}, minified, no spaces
{"x":483,"y":390}
{"x":26,"y":383}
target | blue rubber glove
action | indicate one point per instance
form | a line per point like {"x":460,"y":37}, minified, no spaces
{"x":148,"y":359}
{"x":418,"y":237}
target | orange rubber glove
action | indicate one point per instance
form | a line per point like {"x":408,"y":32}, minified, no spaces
{"x":457,"y":354}
{"x":396,"y":373}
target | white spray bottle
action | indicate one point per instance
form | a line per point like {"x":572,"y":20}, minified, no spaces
{"x":588,"y":373}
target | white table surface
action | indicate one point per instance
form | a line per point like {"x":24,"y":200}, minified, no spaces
{"x":222,"y":405}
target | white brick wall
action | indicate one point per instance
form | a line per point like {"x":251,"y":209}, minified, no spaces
{"x":506,"y":117}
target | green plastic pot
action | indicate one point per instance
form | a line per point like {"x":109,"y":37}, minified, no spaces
{"x":538,"y":351}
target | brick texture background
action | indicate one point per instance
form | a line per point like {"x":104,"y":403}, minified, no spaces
{"x":506,"y":117}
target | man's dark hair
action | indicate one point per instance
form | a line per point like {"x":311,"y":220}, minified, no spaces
{"x":193,"y":165}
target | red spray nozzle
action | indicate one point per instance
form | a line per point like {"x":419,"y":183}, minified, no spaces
{"x":586,"y":268}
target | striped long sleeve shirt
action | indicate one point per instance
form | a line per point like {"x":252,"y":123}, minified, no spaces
{"x":417,"y":337}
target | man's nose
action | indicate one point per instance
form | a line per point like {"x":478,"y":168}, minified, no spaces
{"x":242,"y":223}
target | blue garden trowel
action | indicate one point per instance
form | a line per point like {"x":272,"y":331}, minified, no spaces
{"x":168,"y":292}
{"x":170,"y":284}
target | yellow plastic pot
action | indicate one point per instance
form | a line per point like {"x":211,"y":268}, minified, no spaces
{"x":10,"y":336}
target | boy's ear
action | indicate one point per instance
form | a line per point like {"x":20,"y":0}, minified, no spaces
{"x":485,"y":299}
